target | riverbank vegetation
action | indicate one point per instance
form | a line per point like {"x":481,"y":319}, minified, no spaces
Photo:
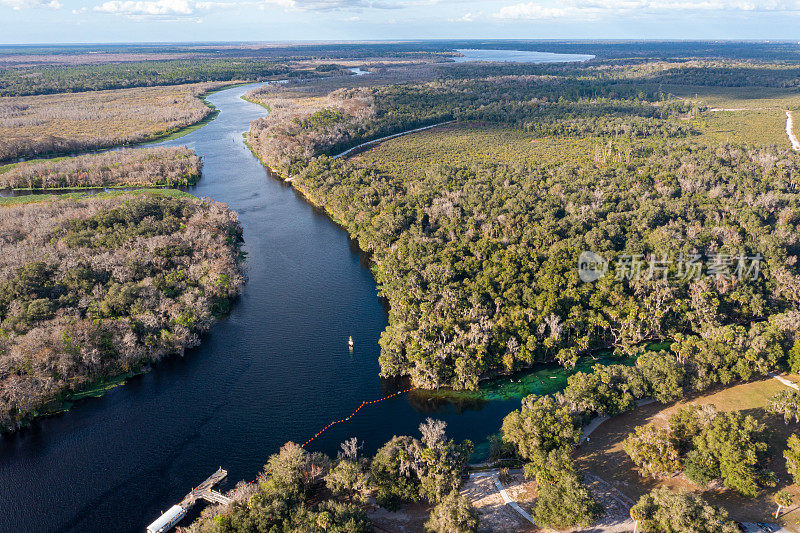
{"x":145,"y":167}
{"x":471,"y":224}
{"x":76,"y":122}
{"x":476,"y":230}
{"x":297,"y":129}
{"x":477,"y":254}
{"x":101,"y":286}
{"x":302,"y":491}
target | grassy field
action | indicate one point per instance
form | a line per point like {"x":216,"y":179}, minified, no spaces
{"x":604,"y":456}
{"x":71,"y":122}
{"x":742,"y":114}
{"x":470,"y":143}
{"x":33,"y":198}
{"x":759,"y":126}
{"x":738,"y":97}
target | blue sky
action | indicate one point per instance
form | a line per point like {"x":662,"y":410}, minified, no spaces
{"x":64,"y":21}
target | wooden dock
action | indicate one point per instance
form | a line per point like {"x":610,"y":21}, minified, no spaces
{"x":205,"y":491}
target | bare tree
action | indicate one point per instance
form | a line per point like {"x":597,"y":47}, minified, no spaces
{"x":433,"y":432}
{"x":350,"y":449}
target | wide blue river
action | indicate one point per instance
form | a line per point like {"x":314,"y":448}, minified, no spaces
{"x":277,"y":369}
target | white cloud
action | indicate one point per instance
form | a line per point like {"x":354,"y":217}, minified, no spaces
{"x":574,"y":9}
{"x":147,"y":8}
{"x":334,"y":5}
{"x":532,"y":11}
{"x":286,"y":4}
{"x":213,"y":5}
{"x":467,"y":17}
{"x":26,"y":4}
{"x":174,"y":9}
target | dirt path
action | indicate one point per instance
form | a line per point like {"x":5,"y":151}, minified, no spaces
{"x":604,"y":456}
{"x":482,"y":490}
{"x":502,"y":508}
{"x":381,"y":139}
{"x":790,"y":131}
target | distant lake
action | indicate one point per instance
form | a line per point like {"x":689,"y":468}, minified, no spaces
{"x":519,"y":56}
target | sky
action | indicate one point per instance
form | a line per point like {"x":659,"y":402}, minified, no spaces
{"x":88,"y":21}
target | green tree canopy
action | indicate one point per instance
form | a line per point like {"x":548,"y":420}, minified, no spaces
{"x":665,"y":511}
{"x":539,"y":427}
{"x":453,"y":514}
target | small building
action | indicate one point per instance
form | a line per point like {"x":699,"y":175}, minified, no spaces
{"x":167,"y":520}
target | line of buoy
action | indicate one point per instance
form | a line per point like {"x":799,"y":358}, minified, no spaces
{"x":326,"y":428}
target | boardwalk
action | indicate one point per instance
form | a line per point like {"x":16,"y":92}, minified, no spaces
{"x":204,"y":491}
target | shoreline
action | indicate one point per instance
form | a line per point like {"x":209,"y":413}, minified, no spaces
{"x":64,"y":400}
{"x":446,"y":393}
{"x":162,"y":136}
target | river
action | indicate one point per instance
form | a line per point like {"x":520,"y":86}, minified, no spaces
{"x":277,"y":369}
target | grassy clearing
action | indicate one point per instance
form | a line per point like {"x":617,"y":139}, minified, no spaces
{"x":34,"y":198}
{"x":471,"y":143}
{"x":604,"y":455}
{"x":759,"y":127}
{"x":742,"y":114}
{"x":738,"y":97}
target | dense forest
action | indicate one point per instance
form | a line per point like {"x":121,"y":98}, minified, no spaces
{"x":309,"y":492}
{"x":479,"y":258}
{"x":479,"y":261}
{"x":479,"y":264}
{"x":146,"y":167}
{"x":49,"y":79}
{"x":94,"y":288}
